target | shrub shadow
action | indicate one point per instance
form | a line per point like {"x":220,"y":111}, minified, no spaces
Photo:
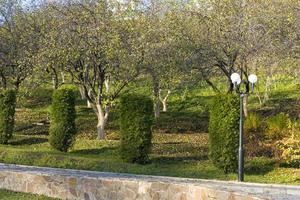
{"x":28,"y":141}
{"x":259,"y":168}
{"x":177,"y":159}
{"x":94,"y":151}
{"x":290,"y":106}
{"x":33,"y":130}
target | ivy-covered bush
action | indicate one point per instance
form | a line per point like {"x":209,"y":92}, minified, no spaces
{"x":224,"y":132}
{"x":7,"y":115}
{"x":62,"y":128}
{"x":136,"y":121}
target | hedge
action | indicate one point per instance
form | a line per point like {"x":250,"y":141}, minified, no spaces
{"x":136,"y":121}
{"x":62,"y":128}
{"x":7,"y":115}
{"x":224,"y":132}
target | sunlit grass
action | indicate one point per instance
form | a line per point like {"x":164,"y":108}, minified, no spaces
{"x":9,"y":195}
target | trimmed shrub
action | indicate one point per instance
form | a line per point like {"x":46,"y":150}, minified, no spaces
{"x":136,"y":121}
{"x":63,"y":114}
{"x":224,"y":132}
{"x":7,"y":115}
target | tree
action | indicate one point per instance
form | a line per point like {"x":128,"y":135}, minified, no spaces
{"x":101,"y":51}
{"x":235,"y":36}
{"x":49,"y":59}
{"x":19,"y":35}
{"x":160,"y":57}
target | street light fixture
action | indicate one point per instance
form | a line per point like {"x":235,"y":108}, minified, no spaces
{"x":237,"y":81}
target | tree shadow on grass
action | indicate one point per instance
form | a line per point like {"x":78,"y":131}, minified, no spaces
{"x":23,"y":127}
{"x":94,"y":151}
{"x":261,"y":167}
{"x":28,"y":141}
{"x":33,"y":130}
{"x":84,"y":112}
{"x":290,"y":106}
{"x":178,"y":159}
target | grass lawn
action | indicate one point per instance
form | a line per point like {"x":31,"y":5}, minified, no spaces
{"x":183,"y":155}
{"x":180,"y":144}
{"x":8,"y":195}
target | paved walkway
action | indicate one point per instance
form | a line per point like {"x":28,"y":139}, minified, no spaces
{"x":15,"y":177}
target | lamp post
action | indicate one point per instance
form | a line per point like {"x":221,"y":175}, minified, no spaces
{"x":237,"y":82}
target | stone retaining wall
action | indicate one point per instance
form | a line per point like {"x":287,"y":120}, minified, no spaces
{"x":78,"y":184}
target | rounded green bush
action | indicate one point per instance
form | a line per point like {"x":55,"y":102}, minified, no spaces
{"x":62,"y":129}
{"x":136,"y":121}
{"x":224,"y":132}
{"x":7,"y":115}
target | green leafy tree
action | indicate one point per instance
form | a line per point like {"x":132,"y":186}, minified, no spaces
{"x":101,"y":51}
{"x":19,"y":37}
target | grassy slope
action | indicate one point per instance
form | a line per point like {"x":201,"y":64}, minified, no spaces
{"x":8,"y":195}
{"x":180,"y":145}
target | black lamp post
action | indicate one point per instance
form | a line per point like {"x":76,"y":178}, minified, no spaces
{"x":237,"y":81}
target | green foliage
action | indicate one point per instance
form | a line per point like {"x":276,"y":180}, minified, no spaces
{"x":63,"y":114}
{"x":136,"y":120}
{"x":7,"y":115}
{"x":277,"y":126}
{"x":253,"y":122}
{"x":70,"y":87}
{"x":254,"y":135}
{"x":40,"y":96}
{"x":223,"y":132}
{"x":289,"y":146}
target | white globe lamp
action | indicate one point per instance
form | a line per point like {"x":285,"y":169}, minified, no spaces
{"x":235,"y":78}
{"x":252,"y":78}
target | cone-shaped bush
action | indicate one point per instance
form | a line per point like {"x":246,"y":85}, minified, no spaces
{"x":136,"y":121}
{"x":7,"y":115}
{"x":224,"y":132}
{"x":62,"y":129}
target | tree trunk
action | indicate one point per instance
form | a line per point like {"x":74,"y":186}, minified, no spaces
{"x":267,"y":89}
{"x":82,"y":95}
{"x":230,"y":86}
{"x":3,"y":81}
{"x":89,"y":105}
{"x":259,"y":99}
{"x":106,"y":83}
{"x":164,"y":100}
{"x":62,"y":77}
{"x":212,"y":85}
{"x":54,"y":81}
{"x":102,"y":121}
{"x":155,"y":84}
{"x":184,"y":94}
{"x":156,"y":108}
